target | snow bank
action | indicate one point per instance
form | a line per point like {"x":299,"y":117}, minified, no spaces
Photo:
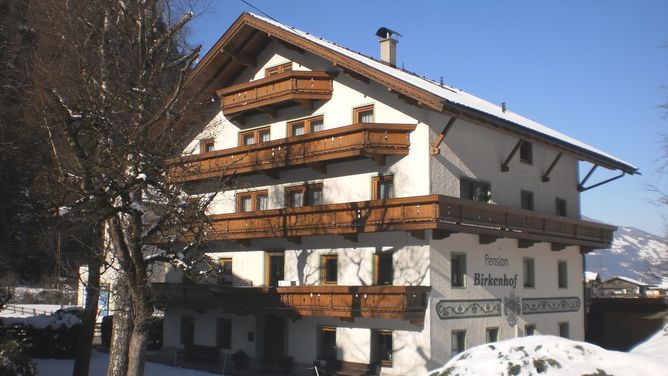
{"x":66,"y":317}
{"x":556,"y":356}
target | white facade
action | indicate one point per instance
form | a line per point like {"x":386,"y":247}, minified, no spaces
{"x":469,"y":150}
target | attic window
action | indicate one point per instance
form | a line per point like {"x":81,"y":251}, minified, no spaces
{"x":363,"y":114}
{"x":278,"y":69}
{"x":526,"y":152}
{"x":206,"y":146}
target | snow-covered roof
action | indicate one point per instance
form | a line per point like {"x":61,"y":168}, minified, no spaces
{"x":630,"y":280}
{"x":457,"y":97}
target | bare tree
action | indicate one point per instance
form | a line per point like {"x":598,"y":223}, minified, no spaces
{"x":113,"y":95}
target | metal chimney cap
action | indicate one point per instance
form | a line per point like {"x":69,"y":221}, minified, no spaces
{"x":384,"y":32}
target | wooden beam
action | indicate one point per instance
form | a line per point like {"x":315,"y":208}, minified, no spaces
{"x":354,"y":74}
{"x":504,"y":165}
{"x":546,"y":176}
{"x":290,"y":46}
{"x":556,"y":247}
{"x":379,"y":159}
{"x":526,"y":243}
{"x":244,"y":242}
{"x":295,"y":239}
{"x":435,"y":148}
{"x":591,"y":171}
{"x":487,"y":239}
{"x":274,"y":174}
{"x":441,"y":234}
{"x":245,"y":60}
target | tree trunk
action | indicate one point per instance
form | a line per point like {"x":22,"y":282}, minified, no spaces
{"x":121,"y":332}
{"x":137,"y":351}
{"x":85,"y":341}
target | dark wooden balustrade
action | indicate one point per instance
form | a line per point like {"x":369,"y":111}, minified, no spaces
{"x":268,"y":93}
{"x":346,"y":302}
{"x":353,"y":141}
{"x":433,"y":212}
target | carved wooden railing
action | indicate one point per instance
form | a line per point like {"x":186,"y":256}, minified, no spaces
{"x":391,"y":302}
{"x":276,"y":90}
{"x":434,"y":212}
{"x":353,"y":141}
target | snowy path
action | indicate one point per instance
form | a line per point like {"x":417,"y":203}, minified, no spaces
{"x":98,"y":366}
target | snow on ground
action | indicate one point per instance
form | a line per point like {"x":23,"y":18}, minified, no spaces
{"x":66,"y":316}
{"x":26,"y":310}
{"x":556,"y":356}
{"x":98,"y":366}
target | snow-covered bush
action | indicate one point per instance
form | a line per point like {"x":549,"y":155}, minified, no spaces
{"x":13,"y":359}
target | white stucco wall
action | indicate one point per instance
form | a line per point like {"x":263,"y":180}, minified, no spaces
{"x":546,"y":286}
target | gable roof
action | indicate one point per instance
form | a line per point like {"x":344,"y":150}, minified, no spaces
{"x":250,"y":33}
{"x":627,"y":279}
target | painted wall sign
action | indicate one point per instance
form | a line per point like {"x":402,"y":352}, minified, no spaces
{"x":532,"y":306}
{"x":512,"y":308}
{"x":482,"y":279}
{"x":459,"y":309}
{"x":496,"y":261}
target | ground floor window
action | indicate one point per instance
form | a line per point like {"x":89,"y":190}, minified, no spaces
{"x":187,"y":330}
{"x":223,"y":333}
{"x":564,"y":330}
{"x":458,"y":342}
{"x":383,"y":349}
{"x":492,"y":334}
{"x":530,"y":329}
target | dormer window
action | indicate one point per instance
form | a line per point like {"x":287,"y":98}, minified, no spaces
{"x":278,"y":69}
{"x":526,"y":152}
{"x":363,"y":115}
{"x":206,"y":146}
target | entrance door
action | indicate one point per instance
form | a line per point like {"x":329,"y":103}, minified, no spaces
{"x":275,"y":268}
{"x":327,"y":346}
{"x":274,"y":341}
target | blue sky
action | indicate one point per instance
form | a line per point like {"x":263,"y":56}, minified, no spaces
{"x":594,"y":70}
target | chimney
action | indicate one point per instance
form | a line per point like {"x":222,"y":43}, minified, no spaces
{"x":388,"y":46}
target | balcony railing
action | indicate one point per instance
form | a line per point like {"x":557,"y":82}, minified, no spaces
{"x":346,"y":302}
{"x":276,"y":91}
{"x":434,"y":212}
{"x":353,"y":141}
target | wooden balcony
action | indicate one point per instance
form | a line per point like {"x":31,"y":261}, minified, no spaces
{"x":270,"y":93}
{"x":444,"y":214}
{"x":314,"y":149}
{"x":345,"y":302}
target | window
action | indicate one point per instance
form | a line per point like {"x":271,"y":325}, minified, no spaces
{"x":363,"y":115}
{"x":526,"y":152}
{"x":529,"y":329}
{"x":252,"y":201}
{"x":529,"y":272}
{"x":476,"y":190}
{"x":223,"y":333}
{"x":206,"y":146}
{"x":303,"y":195}
{"x":383,"y":187}
{"x":492,"y":334}
{"x":527,"y":200}
{"x":562,"y":271}
{"x":564,"y":330}
{"x":254,"y":136}
{"x":187,"y":330}
{"x":305,"y":126}
{"x":457,"y":342}
{"x":382,"y":351}
{"x":458,"y":270}
{"x":327,"y":344}
{"x":225,"y":267}
{"x":328,"y":269}
{"x":384,"y":271}
{"x":278,"y":69}
{"x":560,"y":205}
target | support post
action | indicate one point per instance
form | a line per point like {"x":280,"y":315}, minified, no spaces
{"x":435,"y":148}
{"x":504,"y":165}
{"x":546,"y":176}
